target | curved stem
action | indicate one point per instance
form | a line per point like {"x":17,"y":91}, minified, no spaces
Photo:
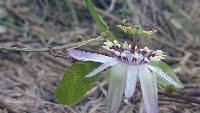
{"x":57,"y":48}
{"x":23,"y":49}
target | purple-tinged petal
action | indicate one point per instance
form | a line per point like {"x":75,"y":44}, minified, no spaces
{"x":163,"y":74}
{"x":139,"y":58}
{"x":117,"y":79}
{"x":87,"y":56}
{"x":131,"y":80}
{"x":101,"y":68}
{"x":149,"y":89}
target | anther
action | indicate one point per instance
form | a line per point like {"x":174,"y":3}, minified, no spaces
{"x":146,"y":59}
{"x":108,"y":43}
{"x":115,"y":42}
{"x":123,"y":55}
{"x":125,"y":45}
{"x":117,"y":53}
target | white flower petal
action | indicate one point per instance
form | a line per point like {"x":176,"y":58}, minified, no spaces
{"x":163,"y":74}
{"x":149,"y":89}
{"x":139,"y":58}
{"x":116,"y":88}
{"x":131,"y":80}
{"x":87,"y":56}
{"x":101,"y":68}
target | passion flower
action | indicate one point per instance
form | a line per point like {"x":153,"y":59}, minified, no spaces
{"x":128,"y":64}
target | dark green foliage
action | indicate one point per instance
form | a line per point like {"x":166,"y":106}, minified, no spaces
{"x":101,"y":24}
{"x":74,"y":84}
{"x":98,"y":19}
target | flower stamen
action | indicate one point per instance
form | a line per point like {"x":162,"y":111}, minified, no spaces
{"x":130,"y":54}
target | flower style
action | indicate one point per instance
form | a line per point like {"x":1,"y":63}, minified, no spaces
{"x":128,"y":64}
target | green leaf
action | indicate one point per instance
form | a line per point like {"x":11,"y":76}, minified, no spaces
{"x":74,"y":84}
{"x":99,"y":21}
{"x":110,"y":36}
{"x":165,"y":68}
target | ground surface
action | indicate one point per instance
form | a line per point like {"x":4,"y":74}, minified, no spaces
{"x":28,"y":80}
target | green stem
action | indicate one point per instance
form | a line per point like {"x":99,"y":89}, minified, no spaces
{"x":78,"y":44}
{"x":23,"y":49}
{"x":57,"y":48}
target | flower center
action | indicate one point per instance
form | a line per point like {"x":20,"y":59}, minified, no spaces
{"x":129,"y":54}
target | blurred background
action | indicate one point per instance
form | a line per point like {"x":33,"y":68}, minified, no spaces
{"x":28,"y":80}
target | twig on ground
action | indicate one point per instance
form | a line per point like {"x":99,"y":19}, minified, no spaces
{"x":185,"y":98}
{"x":102,"y":84}
{"x":102,"y":89}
